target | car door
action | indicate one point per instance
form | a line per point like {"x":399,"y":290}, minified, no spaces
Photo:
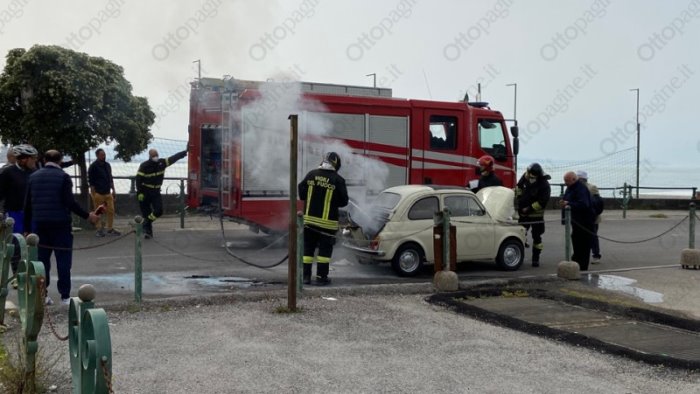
{"x":419,"y":223}
{"x":475,"y":231}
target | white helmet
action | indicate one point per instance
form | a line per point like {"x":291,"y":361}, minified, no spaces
{"x":23,"y":150}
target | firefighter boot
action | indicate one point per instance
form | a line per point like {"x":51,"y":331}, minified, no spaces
{"x":307,"y":274}
{"x":536,"y":255}
{"x":322,"y":274}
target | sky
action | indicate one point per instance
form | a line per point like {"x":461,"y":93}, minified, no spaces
{"x":574,"y":62}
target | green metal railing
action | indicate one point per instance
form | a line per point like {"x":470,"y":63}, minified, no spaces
{"x":90,"y":344}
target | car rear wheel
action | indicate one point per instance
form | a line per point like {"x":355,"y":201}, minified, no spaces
{"x":510,"y":255}
{"x":408,"y":260}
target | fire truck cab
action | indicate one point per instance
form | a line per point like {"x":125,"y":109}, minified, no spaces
{"x":239,"y":143}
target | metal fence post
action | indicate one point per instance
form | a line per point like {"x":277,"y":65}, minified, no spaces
{"x":624,"y":201}
{"x":90,"y":344}
{"x":182,"y":203}
{"x":30,"y":281}
{"x":132,"y":187}
{"x":138,"y":221}
{"x":567,"y":233}
{"x":300,"y":250}
{"x":691,"y":230}
{"x":6,"y":250}
{"x":446,"y":239}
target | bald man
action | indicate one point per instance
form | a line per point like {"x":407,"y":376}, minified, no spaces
{"x":578,"y":198}
{"x":149,"y":180}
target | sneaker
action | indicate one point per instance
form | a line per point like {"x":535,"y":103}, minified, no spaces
{"x":595,"y":260}
{"x":65,"y":301}
{"x":13,"y":283}
{"x":148,"y":235}
{"x":535,"y":263}
{"x":322,"y":281}
{"x":114,"y":232}
{"x":48,"y":301}
{"x":100,"y":233}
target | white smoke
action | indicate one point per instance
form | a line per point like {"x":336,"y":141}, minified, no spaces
{"x":266,"y":141}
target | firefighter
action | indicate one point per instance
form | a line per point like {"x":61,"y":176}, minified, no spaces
{"x":323,"y":190}
{"x":486,"y":175}
{"x":149,"y":179}
{"x":533,"y":193}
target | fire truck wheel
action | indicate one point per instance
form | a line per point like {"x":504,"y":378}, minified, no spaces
{"x":510,"y":255}
{"x":408,"y":259}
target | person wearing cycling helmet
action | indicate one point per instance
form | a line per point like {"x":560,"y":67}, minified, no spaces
{"x":532,"y":193}
{"x":13,"y":188}
{"x":323,"y":190}
{"x":487,"y":177}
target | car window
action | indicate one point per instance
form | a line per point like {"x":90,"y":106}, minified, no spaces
{"x":474,"y":207}
{"x":463,"y":206}
{"x":458,"y":205}
{"x":386,"y":200}
{"x":424,"y":208}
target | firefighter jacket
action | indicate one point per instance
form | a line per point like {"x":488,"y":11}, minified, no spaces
{"x":150,"y":174}
{"x":533,"y":196}
{"x":488,"y":180}
{"x":323,"y":191}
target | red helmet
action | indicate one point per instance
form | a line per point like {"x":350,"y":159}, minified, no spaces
{"x":486,"y":162}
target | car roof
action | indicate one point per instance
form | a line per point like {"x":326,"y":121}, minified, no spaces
{"x":405,"y":190}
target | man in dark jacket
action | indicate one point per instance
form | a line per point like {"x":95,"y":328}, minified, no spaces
{"x":533,"y":193}
{"x":323,"y":190}
{"x":13,"y":188}
{"x":102,"y":191}
{"x":149,"y":180}
{"x":487,"y":177}
{"x":48,"y":205}
{"x":578,"y":198}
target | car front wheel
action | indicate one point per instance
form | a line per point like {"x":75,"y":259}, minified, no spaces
{"x":408,"y":260}
{"x":510,"y":255}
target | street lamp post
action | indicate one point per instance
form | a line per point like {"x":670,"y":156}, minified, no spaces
{"x":515,"y":101}
{"x":637,"y":91}
{"x":515,"y":120}
{"x":374,"y":79}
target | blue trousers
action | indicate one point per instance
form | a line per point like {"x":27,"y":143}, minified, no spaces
{"x":56,"y":239}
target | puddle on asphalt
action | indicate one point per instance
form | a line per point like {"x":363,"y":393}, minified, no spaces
{"x":169,"y":284}
{"x":205,"y":280}
{"x":624,"y":285}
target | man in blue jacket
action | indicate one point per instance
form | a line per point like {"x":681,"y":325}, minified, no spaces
{"x":578,"y":198}
{"x":48,"y":205}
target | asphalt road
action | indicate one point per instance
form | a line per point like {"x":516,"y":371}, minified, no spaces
{"x":192,"y":260}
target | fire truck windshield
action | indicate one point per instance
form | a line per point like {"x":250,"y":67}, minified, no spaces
{"x":492,"y":135}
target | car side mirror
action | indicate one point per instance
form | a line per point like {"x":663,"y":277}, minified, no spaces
{"x":516,"y":146}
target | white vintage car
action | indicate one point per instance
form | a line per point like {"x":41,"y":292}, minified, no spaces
{"x":398,"y":227}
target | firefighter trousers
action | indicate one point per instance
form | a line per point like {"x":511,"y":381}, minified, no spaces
{"x":537,"y":229}
{"x":323,"y":240}
{"x":151,"y":209}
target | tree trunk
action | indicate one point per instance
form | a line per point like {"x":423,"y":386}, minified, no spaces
{"x":84,"y":187}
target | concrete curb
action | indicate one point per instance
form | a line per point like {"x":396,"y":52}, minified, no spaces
{"x":450,"y":301}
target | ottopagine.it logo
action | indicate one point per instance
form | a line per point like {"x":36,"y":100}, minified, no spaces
{"x":270,"y":40}
{"x":385,"y":27}
{"x":95,"y":25}
{"x":190,"y":27}
{"x":13,"y":11}
{"x":658,"y":41}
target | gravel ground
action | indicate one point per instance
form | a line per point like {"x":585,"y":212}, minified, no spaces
{"x":352,"y":344}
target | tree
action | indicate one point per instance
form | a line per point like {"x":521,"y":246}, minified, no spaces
{"x":56,"y":98}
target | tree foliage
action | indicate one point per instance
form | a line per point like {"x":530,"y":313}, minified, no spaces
{"x":56,"y":98}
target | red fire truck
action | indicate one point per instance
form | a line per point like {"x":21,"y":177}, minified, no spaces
{"x":239,"y":143}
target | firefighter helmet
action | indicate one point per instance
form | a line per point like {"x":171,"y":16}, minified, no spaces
{"x":486,"y":162}
{"x":333,"y":159}
{"x":535,"y":169}
{"x":24,"y":150}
